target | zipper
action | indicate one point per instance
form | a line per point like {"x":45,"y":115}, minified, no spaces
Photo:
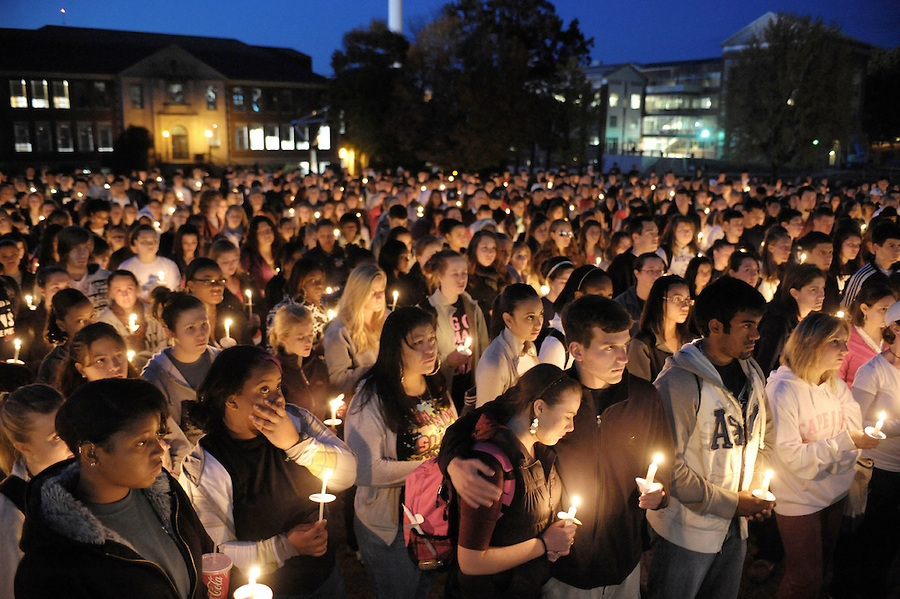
{"x":144,"y":561}
{"x":193,"y":572}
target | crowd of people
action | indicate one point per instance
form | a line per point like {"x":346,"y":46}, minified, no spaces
{"x":683,"y":362}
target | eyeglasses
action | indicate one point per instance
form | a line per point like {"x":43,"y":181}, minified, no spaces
{"x":681,"y":301}
{"x":210,"y":281}
{"x":565,"y":234}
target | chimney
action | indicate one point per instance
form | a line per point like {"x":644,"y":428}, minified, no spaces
{"x":395,"y":16}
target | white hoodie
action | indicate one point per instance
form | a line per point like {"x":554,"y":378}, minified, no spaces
{"x":814,"y":456}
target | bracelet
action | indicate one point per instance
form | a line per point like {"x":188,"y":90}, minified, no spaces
{"x":544,"y":543}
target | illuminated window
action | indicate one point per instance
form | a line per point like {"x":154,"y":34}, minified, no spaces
{"x":17,"y":97}
{"x":272,"y":139}
{"x":613,"y":120}
{"x":64,"y":141}
{"x":257,"y":137}
{"x":175,"y":92}
{"x":137,"y":95}
{"x":85,"y":137}
{"x":39,"y":94}
{"x":255,"y":98}
{"x":613,"y":100}
{"x":212,"y":97}
{"x":237,"y":98}
{"x":287,"y":137}
{"x":635,"y":101}
{"x":60,"y":94}
{"x":22,"y":133}
{"x":324,"y":138}
{"x":241,"y":141}
{"x":104,"y":137}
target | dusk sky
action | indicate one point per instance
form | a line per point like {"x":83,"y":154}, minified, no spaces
{"x":635,"y":31}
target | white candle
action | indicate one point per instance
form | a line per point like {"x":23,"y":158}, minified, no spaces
{"x":335,"y":405}
{"x":228,"y":327}
{"x":395,"y":295}
{"x":331,"y":314}
{"x":162,"y":277}
{"x":570,"y":515}
{"x":28,"y":300}
{"x":545,"y":289}
{"x":130,"y":355}
{"x":651,"y":470}
{"x":253,"y":590}
{"x":249,"y":294}
{"x":465,"y":348}
{"x":767,"y":479}
{"x":325,"y":476}
{"x":329,"y":291}
{"x":882,"y":416}
{"x":132,"y":323}
{"x":17,"y":344}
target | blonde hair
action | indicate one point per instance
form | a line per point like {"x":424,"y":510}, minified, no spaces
{"x":286,"y":318}
{"x":350,"y":308}
{"x":16,"y":410}
{"x":803,"y":349}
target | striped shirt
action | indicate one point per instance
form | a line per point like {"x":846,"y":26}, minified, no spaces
{"x":856,"y":282}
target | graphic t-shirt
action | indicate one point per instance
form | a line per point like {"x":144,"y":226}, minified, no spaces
{"x":460,"y":322}
{"x":430,"y":419}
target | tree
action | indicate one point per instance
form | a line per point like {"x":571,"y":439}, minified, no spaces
{"x":787,"y":90}
{"x":131,"y":150}
{"x":363,"y":90}
{"x":881,"y":117}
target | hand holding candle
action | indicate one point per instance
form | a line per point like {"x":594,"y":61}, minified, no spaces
{"x":465,"y":348}
{"x":335,"y":405}
{"x":132,"y":323}
{"x":227,"y":341}
{"x":253,"y":590}
{"x":249,"y":302}
{"x":323,"y":497}
{"x":648,"y":484}
{"x":875,"y":431}
{"x":763,"y":492}
{"x":395,"y":295}
{"x":17,"y":346}
{"x":569,"y":516}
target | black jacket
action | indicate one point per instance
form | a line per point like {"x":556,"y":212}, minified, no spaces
{"x":774,"y":329}
{"x":69,"y":553}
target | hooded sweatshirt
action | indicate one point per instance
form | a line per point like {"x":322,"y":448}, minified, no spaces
{"x":814,"y":457}
{"x":716,"y":446}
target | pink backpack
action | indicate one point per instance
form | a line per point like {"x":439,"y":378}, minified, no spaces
{"x":427,"y":505}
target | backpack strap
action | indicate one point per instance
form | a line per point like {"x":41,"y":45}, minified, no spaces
{"x":509,"y":476}
{"x":13,"y":488}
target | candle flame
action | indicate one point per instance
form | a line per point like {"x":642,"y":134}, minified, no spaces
{"x":882,"y":416}
{"x":327,"y":474}
{"x":337,"y":402}
{"x":17,"y":343}
{"x":249,"y":293}
{"x":576,"y":500}
{"x":228,"y":322}
{"x":395,"y":294}
{"x":130,"y":355}
{"x":254,"y":574}
{"x":769,"y":474}
{"x":658,"y":458}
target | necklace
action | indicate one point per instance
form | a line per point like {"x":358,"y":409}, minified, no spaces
{"x":893,"y":354}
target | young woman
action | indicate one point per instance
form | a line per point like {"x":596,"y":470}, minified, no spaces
{"x":28,"y":445}
{"x":251,"y":475}
{"x":520,"y":263}
{"x":394,"y":259}
{"x":867,"y":318}
{"x":801,"y":292}
{"x":556,"y":272}
{"x":236,"y":225}
{"x":204,"y":280}
{"x":619,"y":243}
{"x":590,"y":242}
{"x":305,"y":287}
{"x":351,"y":339}
{"x":459,"y":321}
{"x":237,"y":282}
{"x":116,"y":495}
{"x":877,"y":389}
{"x":395,"y":422}
{"x":818,"y":435}
{"x":487,"y":275}
{"x":304,"y":379}
{"x":776,"y":253}
{"x":698,"y":274}
{"x":259,"y":252}
{"x":664,"y":328}
{"x":148,"y":336}
{"x":186,"y":246}
{"x":679,"y":241}
{"x":744,"y":266}
{"x":179,"y":370}
{"x":559,"y":244}
{"x":847,"y":257}
{"x":517,"y":321}
{"x":505,"y":549}
{"x":70,"y":312}
{"x":31,"y":324}
{"x":538,"y":232}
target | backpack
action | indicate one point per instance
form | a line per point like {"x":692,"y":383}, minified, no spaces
{"x":430,"y":538}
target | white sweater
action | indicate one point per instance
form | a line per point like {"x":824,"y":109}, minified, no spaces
{"x":814,"y":456}
{"x":877,"y":388}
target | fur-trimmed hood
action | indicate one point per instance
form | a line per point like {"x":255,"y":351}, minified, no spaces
{"x":57,"y":513}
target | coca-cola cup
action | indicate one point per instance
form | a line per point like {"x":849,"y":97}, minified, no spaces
{"x":215,"y":575}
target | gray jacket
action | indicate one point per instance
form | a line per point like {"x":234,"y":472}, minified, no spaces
{"x":498,"y":369}
{"x":446,"y":334}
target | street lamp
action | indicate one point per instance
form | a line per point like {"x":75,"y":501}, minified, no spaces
{"x":209,"y":135}
{"x":165,"y":134}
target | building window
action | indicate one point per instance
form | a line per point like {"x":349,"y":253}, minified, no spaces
{"x":81,"y":94}
{"x":241,"y":141}
{"x":22,"y":133}
{"x":272,"y":138}
{"x":39,"y":98}
{"x":287,"y":137}
{"x":43,"y":141}
{"x":613,"y":100}
{"x":212,"y":97}
{"x":257,"y":138}
{"x":613,"y":120}
{"x":85,"y":137}
{"x":60,"y":94}
{"x":635,"y":101}
{"x":17,"y":97}
{"x":255,"y":98}
{"x":104,"y":137}
{"x":64,"y":142}
{"x":101,"y":94}
{"x":324,"y":138}
{"x":287,"y":100}
{"x":137,"y":95}
{"x":175,"y":91}
{"x":237,"y":97}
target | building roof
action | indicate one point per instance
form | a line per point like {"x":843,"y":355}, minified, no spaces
{"x":55,"y":49}
{"x":757,"y":29}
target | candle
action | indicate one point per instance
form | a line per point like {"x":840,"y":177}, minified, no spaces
{"x":840,"y":314}
{"x":130,"y":355}
{"x":651,"y":470}
{"x":767,"y":479}
{"x":17,"y":345}
{"x":335,"y":404}
{"x":395,"y":295}
{"x":802,"y":258}
{"x":331,"y":314}
{"x":325,"y":476}
{"x":253,"y":590}
{"x":329,"y":291}
{"x":132,"y":323}
{"x":545,"y":289}
{"x":291,"y":212}
{"x":465,"y":348}
{"x":227,"y":327}
{"x":881,"y":418}
{"x":249,"y":294}
{"x":162,"y":277}
{"x":337,"y":233}
{"x":569,"y":516}
{"x":28,"y":300}
{"x":415,"y":521}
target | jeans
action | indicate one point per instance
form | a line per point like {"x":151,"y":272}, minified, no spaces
{"x":391,"y":572}
{"x":679,"y":573}
{"x":808,"y":546}
{"x":630,"y":588}
{"x":332,"y":588}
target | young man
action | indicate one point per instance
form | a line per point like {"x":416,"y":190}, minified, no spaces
{"x":886,"y":243}
{"x":714,"y":394}
{"x":644,"y":239}
{"x":819,"y":251}
{"x":150,"y":269}
{"x":619,"y":427}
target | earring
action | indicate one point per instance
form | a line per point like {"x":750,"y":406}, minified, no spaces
{"x":534,"y":426}
{"x":93,"y":464}
{"x":437,"y":367}
{"x":402,"y":378}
